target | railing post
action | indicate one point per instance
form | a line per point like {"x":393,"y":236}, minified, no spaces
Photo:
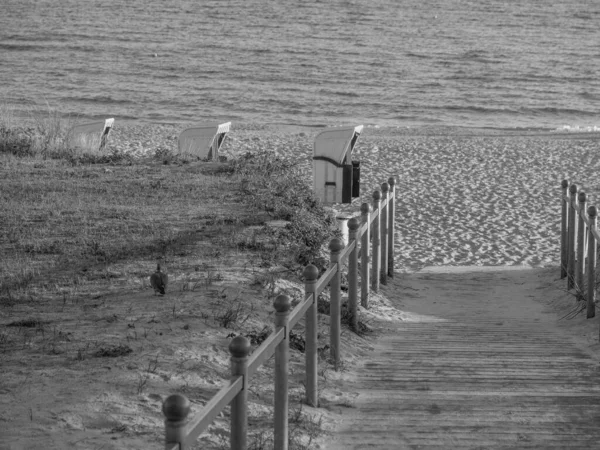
{"x":353,"y":225}
{"x":591,"y":266}
{"x":175,"y":409}
{"x":572,"y":237}
{"x":564,"y":231}
{"x":365,"y":282}
{"x":282,"y":306}
{"x":391,"y":225}
{"x":581,"y":241}
{"x":311,"y":273}
{"x":335,"y":320}
{"x":376,"y":242}
{"x":239,"y":348}
{"x":384,"y":233}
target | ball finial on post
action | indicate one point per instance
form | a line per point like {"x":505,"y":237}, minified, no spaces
{"x":353,"y":224}
{"x":336,"y":245}
{"x":377,"y":195}
{"x":176,"y":407}
{"x":573,"y":189}
{"x":282,"y":303}
{"x":392,"y":181}
{"x":365,"y":208}
{"x":385,"y":187}
{"x":565,"y":183}
{"x":592,"y":211}
{"x":239,"y":347}
{"x":311,"y":273}
{"x":582,"y":197}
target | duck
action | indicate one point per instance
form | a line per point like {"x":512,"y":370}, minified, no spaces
{"x":159,"y":280}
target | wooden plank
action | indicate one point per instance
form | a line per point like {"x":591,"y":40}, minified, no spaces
{"x":584,"y":217}
{"x":362,"y":230}
{"x":596,"y":235}
{"x":325,"y":279}
{"x":265,"y":351}
{"x":300,"y":309}
{"x":211,"y":410}
{"x":374,"y":214}
{"x":463,"y":379}
{"x":345,"y":252}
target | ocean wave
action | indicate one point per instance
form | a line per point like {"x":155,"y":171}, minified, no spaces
{"x":339,"y":93}
{"x":306,"y":64}
{"x":418,"y":55}
{"x":578,"y":129}
{"x":99,"y":99}
{"x":23,"y":47}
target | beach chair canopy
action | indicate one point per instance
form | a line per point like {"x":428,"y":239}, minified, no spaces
{"x":203,"y":141}
{"x":90,"y":135}
{"x":335,"y":145}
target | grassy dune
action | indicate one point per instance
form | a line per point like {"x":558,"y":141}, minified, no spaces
{"x":81,"y":232}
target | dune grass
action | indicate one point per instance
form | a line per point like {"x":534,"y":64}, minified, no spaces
{"x":60,"y":217}
{"x":75,"y":222}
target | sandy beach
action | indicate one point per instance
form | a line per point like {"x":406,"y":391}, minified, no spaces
{"x":464,"y":198}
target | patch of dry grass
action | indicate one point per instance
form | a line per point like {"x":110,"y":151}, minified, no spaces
{"x":79,"y":237}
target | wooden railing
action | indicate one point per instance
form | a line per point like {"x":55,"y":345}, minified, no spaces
{"x":376,"y":227}
{"x":579,"y":238}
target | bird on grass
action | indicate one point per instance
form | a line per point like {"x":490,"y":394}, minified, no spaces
{"x":159,"y":280}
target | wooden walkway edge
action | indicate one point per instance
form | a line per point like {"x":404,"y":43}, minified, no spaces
{"x":478,"y":363}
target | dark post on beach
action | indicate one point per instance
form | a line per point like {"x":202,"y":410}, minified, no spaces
{"x":564,"y":236}
{"x":385,"y":188}
{"x":239,"y":348}
{"x":353,"y":225}
{"x":365,"y":254}
{"x":391,"y":227}
{"x":176,"y":409}
{"x":335,"y":324}
{"x":311,"y":274}
{"x":581,"y":241}
{"x":282,"y":306}
{"x":591,"y":266}
{"x":376,"y":240}
{"x":572,"y":236}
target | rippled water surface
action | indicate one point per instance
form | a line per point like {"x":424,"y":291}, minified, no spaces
{"x":477,"y":63}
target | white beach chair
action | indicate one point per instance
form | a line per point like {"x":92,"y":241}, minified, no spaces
{"x":335,"y":176}
{"x":203,"y":141}
{"x":90,"y":136}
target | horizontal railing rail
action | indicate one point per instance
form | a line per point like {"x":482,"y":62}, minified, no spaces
{"x":371,"y":239}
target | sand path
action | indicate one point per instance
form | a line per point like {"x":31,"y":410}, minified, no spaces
{"x":479,"y":360}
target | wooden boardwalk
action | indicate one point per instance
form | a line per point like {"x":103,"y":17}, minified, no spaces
{"x":483,"y":366}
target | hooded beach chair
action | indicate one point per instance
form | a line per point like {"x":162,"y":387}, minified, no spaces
{"x":336,"y":177}
{"x":90,"y":135}
{"x":203,"y":141}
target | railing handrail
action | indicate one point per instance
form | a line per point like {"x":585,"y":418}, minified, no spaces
{"x":584,"y":216}
{"x":264,"y":351}
{"x":579,"y":238}
{"x":181,"y":435}
{"x":300,"y":309}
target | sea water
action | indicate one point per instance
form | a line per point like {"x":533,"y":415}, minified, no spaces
{"x":404,"y":63}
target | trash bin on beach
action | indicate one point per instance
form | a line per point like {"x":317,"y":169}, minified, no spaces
{"x":90,"y":136}
{"x":336,"y":178}
{"x":203,"y":141}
